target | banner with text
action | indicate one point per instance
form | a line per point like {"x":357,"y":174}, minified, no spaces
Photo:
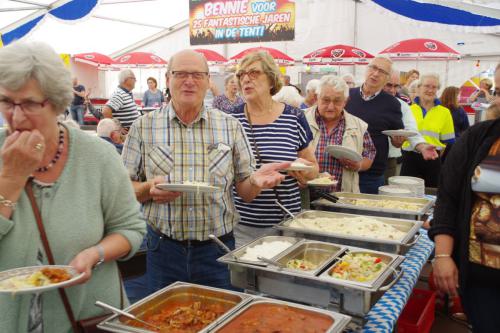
{"x":241,"y":21}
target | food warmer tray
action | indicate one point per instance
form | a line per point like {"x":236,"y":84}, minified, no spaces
{"x":177,"y":291}
{"x":340,"y":321}
{"x":350,"y":298}
{"x":411,"y":227}
{"x":341,"y":206}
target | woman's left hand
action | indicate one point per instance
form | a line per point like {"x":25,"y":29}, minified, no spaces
{"x":83,"y":262}
{"x":301,"y":176}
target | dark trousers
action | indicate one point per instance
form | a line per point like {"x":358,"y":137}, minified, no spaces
{"x":369,"y":183}
{"x":414,"y":165}
{"x":169,"y":261}
{"x":482,"y":307}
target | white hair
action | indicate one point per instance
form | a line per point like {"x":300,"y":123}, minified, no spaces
{"x":229,"y":78}
{"x":289,"y":95}
{"x":106,"y":126}
{"x":348,"y":76}
{"x":414,"y":85}
{"x":338,"y":84}
{"x":22,"y":61}
{"x":434,"y":76}
{"x":312,"y":85}
{"x":125,"y":74}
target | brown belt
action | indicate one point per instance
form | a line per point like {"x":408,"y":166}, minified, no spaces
{"x":191,"y":242}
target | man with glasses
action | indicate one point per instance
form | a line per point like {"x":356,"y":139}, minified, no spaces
{"x":121,"y":105}
{"x":416,"y":142}
{"x":186,"y":141}
{"x":381,"y":112}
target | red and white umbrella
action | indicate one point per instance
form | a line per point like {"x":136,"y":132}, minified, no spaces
{"x":420,"y":49}
{"x":213,"y":58}
{"x":337,"y":55}
{"x":144,"y":59}
{"x":99,"y":60}
{"x":281,"y":58}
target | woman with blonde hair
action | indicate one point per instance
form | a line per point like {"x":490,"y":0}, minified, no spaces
{"x":278,"y":133}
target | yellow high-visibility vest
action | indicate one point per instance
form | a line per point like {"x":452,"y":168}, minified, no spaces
{"x":436,"y":126}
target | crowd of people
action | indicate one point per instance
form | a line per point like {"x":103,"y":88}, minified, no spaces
{"x":245,"y":142}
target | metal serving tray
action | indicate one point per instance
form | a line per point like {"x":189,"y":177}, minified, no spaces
{"x":239,"y":252}
{"x":338,"y":295}
{"x":178,"y":291}
{"x":317,"y":253}
{"x":401,"y":246}
{"x":343,"y":206}
{"x":340,"y":321}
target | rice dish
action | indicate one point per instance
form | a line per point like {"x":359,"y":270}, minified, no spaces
{"x":266,"y":250}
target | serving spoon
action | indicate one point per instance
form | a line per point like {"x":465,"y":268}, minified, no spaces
{"x":123,"y":313}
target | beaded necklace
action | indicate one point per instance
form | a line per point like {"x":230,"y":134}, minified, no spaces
{"x":58,"y":154}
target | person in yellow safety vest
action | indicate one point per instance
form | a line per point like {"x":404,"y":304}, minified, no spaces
{"x":435,"y":123}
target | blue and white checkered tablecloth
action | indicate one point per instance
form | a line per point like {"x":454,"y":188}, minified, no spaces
{"x":384,"y":314}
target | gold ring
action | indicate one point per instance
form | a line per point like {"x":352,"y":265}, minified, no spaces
{"x":39,"y":146}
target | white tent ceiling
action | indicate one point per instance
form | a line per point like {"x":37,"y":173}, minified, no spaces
{"x":113,"y":25}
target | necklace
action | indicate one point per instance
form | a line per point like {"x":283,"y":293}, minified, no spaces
{"x":58,"y":154}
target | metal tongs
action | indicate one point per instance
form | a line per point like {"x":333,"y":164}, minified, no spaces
{"x":285,"y":209}
{"x":328,"y":196}
{"x":123,"y":313}
{"x":222,"y":246}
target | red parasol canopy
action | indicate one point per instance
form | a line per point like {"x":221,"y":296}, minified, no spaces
{"x":95,"y":59}
{"x":337,"y":55}
{"x":213,"y":58}
{"x":280,"y":58}
{"x":421,"y":49}
{"x":140,"y":59}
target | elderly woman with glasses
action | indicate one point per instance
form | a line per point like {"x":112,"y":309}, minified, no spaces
{"x":277,"y":133}
{"x":229,"y":99}
{"x":78,"y":184}
{"x":435,"y":123}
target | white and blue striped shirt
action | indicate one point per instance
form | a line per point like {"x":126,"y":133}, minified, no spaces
{"x":124,"y":108}
{"x":279,"y":141}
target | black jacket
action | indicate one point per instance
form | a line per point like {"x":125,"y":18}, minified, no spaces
{"x":455,"y":197}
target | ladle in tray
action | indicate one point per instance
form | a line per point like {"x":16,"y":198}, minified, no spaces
{"x":123,"y":313}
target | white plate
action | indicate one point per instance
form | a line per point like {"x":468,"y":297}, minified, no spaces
{"x":299,"y":167}
{"x":22,"y":272}
{"x":312,"y":183}
{"x":400,"y":132}
{"x":187,"y":188}
{"x":344,"y":152}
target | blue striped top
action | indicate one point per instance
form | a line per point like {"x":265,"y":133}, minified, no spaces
{"x":279,"y":141}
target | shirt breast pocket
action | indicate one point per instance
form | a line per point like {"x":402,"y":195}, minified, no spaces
{"x":220,"y":160}
{"x":162,"y":160}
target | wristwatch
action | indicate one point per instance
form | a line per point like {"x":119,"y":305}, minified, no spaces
{"x":100,"y":250}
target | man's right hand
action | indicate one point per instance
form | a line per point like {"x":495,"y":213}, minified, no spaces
{"x":161,"y":196}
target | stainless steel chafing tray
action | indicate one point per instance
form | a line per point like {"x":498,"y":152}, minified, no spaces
{"x":338,"y":295}
{"x":339,"y":321}
{"x":343,"y":205}
{"x":176,"y":292}
{"x":400,"y":246}
{"x":317,"y":253}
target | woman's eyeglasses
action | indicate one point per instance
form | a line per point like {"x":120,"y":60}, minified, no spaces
{"x":28,"y":107}
{"x":252,"y":74}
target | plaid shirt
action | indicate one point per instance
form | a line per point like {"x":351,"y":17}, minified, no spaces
{"x":213,"y":149}
{"x":330,"y":164}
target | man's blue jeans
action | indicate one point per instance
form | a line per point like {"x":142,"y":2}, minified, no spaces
{"x":77,"y":112}
{"x":169,"y":261}
{"x":370,"y":183}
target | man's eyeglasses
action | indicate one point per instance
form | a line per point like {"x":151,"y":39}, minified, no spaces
{"x":252,"y":74}
{"x":182,"y":75}
{"x":28,"y":107}
{"x":392,"y":85}
{"x":328,"y":101}
{"x":375,"y":68}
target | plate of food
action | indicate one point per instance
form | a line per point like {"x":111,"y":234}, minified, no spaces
{"x":297,"y":166}
{"x":400,"y":132}
{"x":323,"y":181}
{"x":344,"y":152}
{"x":188,"y":187}
{"x":36,"y":279}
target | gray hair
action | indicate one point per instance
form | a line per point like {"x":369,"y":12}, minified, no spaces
{"x":289,"y":95}
{"x":312,"y":85}
{"x":434,"y":76}
{"x":106,"y":126}
{"x":414,"y":85}
{"x":338,"y":84}
{"x":21,"y":61}
{"x":229,"y":78}
{"x":348,"y":76}
{"x":383,"y":57}
{"x":125,"y":74}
